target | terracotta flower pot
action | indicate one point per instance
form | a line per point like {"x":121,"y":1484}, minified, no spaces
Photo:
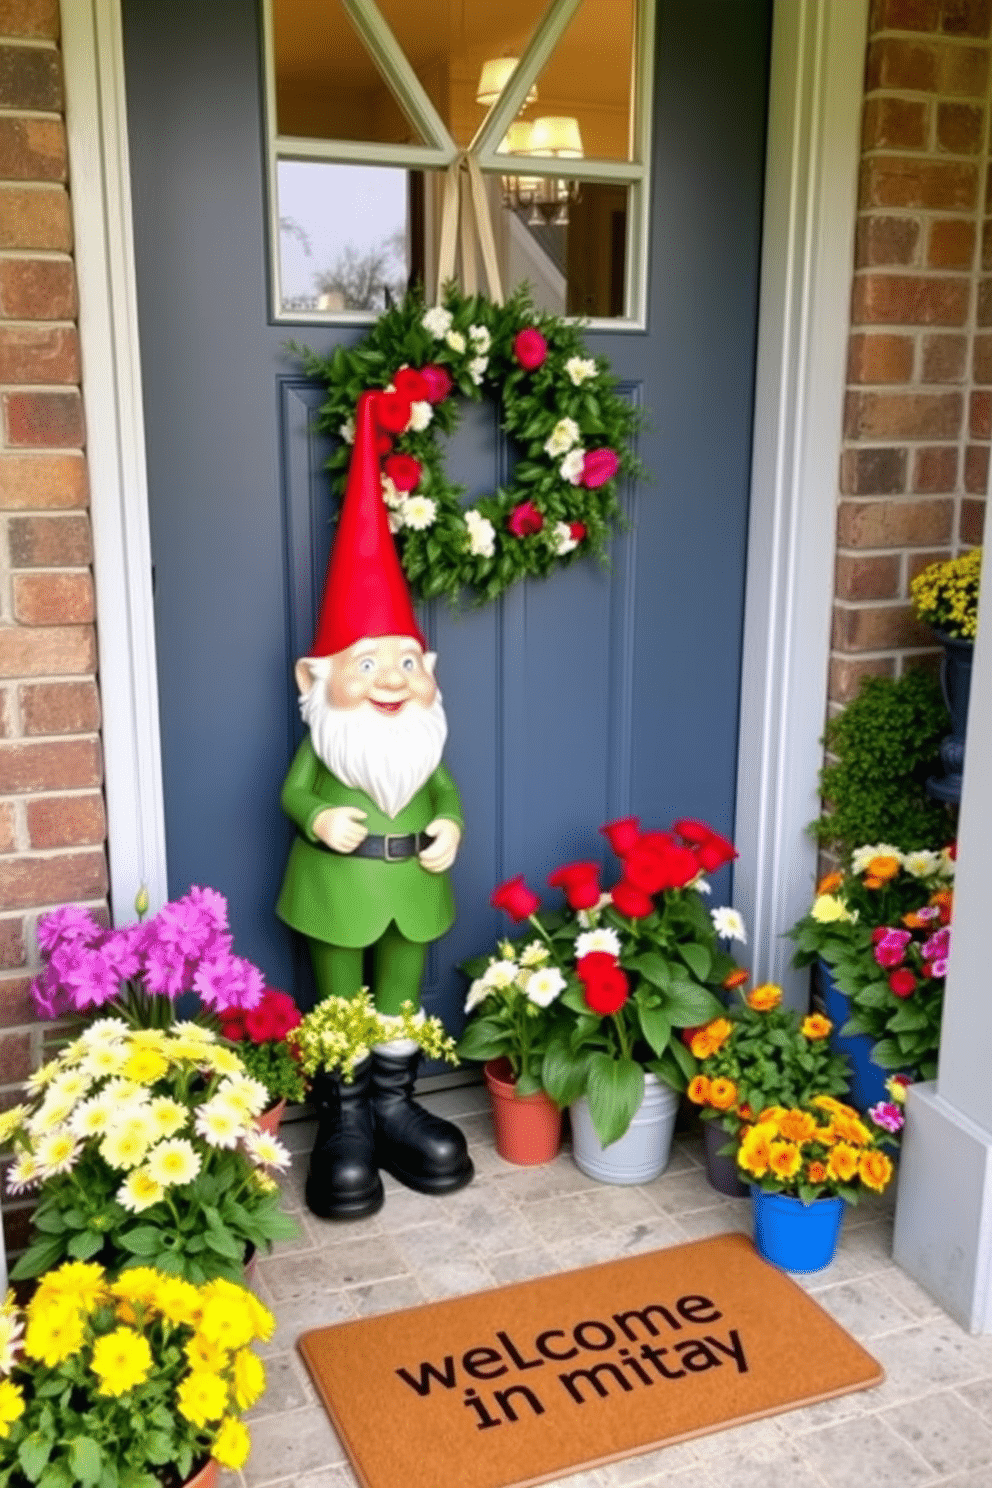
{"x":527,"y":1127}
{"x":206,"y":1477}
{"x":270,"y":1120}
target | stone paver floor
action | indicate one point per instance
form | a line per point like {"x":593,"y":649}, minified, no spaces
{"x":929,"y":1424}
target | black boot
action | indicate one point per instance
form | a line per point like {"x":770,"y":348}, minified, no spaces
{"x":343,"y":1180}
{"x":419,"y":1149}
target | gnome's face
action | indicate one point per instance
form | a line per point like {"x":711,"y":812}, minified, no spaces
{"x":389,"y":673}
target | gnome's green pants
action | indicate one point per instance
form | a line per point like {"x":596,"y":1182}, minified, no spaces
{"x":397,"y":969}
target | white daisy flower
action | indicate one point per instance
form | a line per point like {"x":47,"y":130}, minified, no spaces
{"x":565,"y":433}
{"x":103,"y":1060}
{"x":862,"y":856}
{"x":921,"y":864}
{"x":478,"y":992}
{"x":500,"y":974}
{"x":701,"y":884}
{"x":70,"y":1085}
{"x":535,"y":953}
{"x":481,"y":534}
{"x":477,"y":369}
{"x":92,"y":1118}
{"x":247,"y":1094}
{"x":139,"y":1191}
{"x":456,"y":341}
{"x":175,"y":1162}
{"x":418,"y":512}
{"x":168,"y":1116}
{"x":728,"y":924}
{"x":597,"y":940}
{"x":438,"y":321}
{"x":11,"y":1329}
{"x":219,"y":1124}
{"x":123,"y":1147}
{"x":224,"y":1061}
{"x":580,"y":369}
{"x":480,"y":339}
{"x":50,"y":1115}
{"x":267,"y":1151}
{"x":420,"y":416}
{"x":105,"y":1031}
{"x":947,"y":863}
{"x":11,"y":1120}
{"x":24,"y":1173}
{"x":198,"y":1032}
{"x":545,"y":985}
{"x":572,"y":466}
{"x":57,"y":1153}
{"x":347,"y":431}
{"x":562,"y":539}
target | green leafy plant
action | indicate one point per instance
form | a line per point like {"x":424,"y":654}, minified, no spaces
{"x":113,"y":1383}
{"x":886,"y":742}
{"x":143,"y":1148}
{"x":509,"y":1007}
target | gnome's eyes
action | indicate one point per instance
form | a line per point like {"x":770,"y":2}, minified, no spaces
{"x":408,"y":664}
{"x":366,"y":666}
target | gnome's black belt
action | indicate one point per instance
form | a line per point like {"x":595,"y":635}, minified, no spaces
{"x":394,"y":847}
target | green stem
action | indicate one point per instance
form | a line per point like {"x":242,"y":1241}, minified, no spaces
{"x":621,"y":1035}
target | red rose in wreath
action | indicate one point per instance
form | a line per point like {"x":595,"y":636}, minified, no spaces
{"x":599,"y":466}
{"x":525,"y":519}
{"x":437,"y":382}
{"x":403,"y":471}
{"x":530,"y":348}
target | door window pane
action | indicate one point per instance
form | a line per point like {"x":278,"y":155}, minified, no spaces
{"x":343,"y":236}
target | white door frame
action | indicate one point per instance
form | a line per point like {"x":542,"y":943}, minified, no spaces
{"x":810,"y":203}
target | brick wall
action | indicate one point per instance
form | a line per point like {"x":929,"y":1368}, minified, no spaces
{"x":51,"y":806}
{"x":914,"y":463}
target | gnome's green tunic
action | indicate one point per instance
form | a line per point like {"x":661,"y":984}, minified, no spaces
{"x":349,"y":901}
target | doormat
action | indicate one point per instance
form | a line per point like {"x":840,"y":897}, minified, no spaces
{"x":535,"y":1381}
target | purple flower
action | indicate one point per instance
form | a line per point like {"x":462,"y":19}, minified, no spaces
{"x":887,"y":1115}
{"x":938,"y":968}
{"x":165,"y":970}
{"x":937,"y":948}
{"x":50,"y":998}
{"x":184,"y":927}
{"x":225,"y":981}
{"x":890,"y":947}
{"x":120,"y":951}
{"x":211,"y":904}
{"x":85,"y":975}
{"x":927,"y":913}
{"x":70,"y":923}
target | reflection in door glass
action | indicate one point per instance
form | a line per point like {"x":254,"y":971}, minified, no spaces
{"x":343,"y":236}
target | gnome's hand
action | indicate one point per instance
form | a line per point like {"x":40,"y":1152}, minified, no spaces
{"x":341,"y":827}
{"x":441,"y":854}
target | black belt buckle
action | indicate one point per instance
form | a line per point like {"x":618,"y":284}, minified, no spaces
{"x":404,"y":840}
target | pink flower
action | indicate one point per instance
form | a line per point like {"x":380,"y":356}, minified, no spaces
{"x":599,"y":466}
{"x":902,"y":982}
{"x":68,"y":923}
{"x":891,"y":945}
{"x":577,"y":531}
{"x":524,"y":519}
{"x":887,"y":1115}
{"x":438,"y":383}
{"x":228,"y":981}
{"x":937,"y":947}
{"x":530,"y":348}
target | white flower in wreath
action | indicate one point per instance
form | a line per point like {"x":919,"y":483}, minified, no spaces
{"x":477,"y":369}
{"x":572,"y":466}
{"x":420,"y":416}
{"x":564,"y":434}
{"x":728,"y":924}
{"x":437,"y":321}
{"x":481,"y":534}
{"x":347,"y":431}
{"x":562,"y":539}
{"x":418,"y":512}
{"x":395,"y":519}
{"x":544,"y":986}
{"x":393,"y":498}
{"x":580,"y":369}
{"x":480,"y":339}
{"x":597,"y":940}
{"x":456,"y":341}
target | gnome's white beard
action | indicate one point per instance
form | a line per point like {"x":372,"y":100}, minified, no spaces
{"x":387,"y":757}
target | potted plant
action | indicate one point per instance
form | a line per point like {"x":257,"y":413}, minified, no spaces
{"x":945,"y":597}
{"x":259,"y":1037}
{"x":143,"y":1149}
{"x":137,"y":1380}
{"x":804,"y":1163}
{"x":640,"y":961}
{"x":509,"y":1005}
{"x":879,"y":931}
{"x":757,"y":1054}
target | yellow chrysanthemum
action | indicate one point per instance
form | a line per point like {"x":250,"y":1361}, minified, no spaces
{"x":249,"y":1378}
{"x":232,"y":1443}
{"x":136,"y":1291}
{"x":700,"y":1044}
{"x":11,"y":1405}
{"x":153,"y":1039}
{"x":842,"y":1163}
{"x":797,"y":1126}
{"x":224,"y":1061}
{"x":83,"y":1283}
{"x":205,"y":1355}
{"x":875,"y":1170}
{"x":828,"y":909}
{"x":755,"y":1148}
{"x":784,"y":1159}
{"x":121,"y":1360}
{"x":816,"y":1026}
{"x":226,"y":1319}
{"x":848,"y":1128}
{"x":262,"y":1320}
{"x":816,"y":1172}
{"x":718,"y":1033}
{"x":177,"y":1300}
{"x":54,"y":1332}
{"x":764,"y":998}
{"x":11,"y":1121}
{"x":202,"y":1397}
{"x":145,"y":1066}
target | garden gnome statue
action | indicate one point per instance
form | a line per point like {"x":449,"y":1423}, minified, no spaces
{"x":379,"y":822}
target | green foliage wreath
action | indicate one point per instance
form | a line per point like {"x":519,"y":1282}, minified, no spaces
{"x":571,"y":429}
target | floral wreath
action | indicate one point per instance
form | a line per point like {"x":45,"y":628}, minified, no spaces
{"x":571,"y":428}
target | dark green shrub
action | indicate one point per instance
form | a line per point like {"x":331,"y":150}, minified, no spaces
{"x":886,"y":742}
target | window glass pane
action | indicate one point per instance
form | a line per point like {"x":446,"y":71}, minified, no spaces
{"x":571,"y":249}
{"x":585,"y":89}
{"x":327,"y":85}
{"x":344,"y":240}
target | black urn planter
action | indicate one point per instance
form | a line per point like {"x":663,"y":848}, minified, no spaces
{"x":955,"y":682}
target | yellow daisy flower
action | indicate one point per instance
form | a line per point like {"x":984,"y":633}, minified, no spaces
{"x":202,"y":1397}
{"x":232,"y":1443}
{"x":249,"y":1378}
{"x":11,"y":1405}
{"x":121,"y":1360}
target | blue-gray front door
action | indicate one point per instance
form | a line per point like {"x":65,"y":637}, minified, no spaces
{"x":588,"y":696}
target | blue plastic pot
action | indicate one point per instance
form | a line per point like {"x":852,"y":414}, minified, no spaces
{"x":867,"y":1078}
{"x":794,"y":1235}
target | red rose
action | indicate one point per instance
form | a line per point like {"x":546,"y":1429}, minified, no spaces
{"x":530,"y":348}
{"x":902,"y":982}
{"x":578,"y":531}
{"x":411,"y":384}
{"x":515,"y":898}
{"x":631,"y":901}
{"x":622,"y":834}
{"x":599,"y":466}
{"x":580,"y":883}
{"x":437,"y":382}
{"x":657,"y":862}
{"x":712,"y":850}
{"x":403,"y":471}
{"x":604,"y":982}
{"x":392,"y":411}
{"x":524,"y":519}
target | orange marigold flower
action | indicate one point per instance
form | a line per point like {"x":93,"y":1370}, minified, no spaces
{"x":765,"y":997}
{"x":699,"y":1090}
{"x":701,"y":1044}
{"x":816,"y":1172}
{"x":825,"y":1135}
{"x":744,"y":1112}
{"x":913,"y":922}
{"x":816,"y":1026}
{"x":830,"y":883}
{"x":752,"y":1154}
{"x":849,"y":1129}
{"x":944,"y":899}
{"x":871,"y":882}
{"x":719,"y":1031}
{"x":784,"y":1159}
{"x":829,"y":1103}
{"x":875,"y":1170}
{"x":797,"y":1126}
{"x":723,"y":1094}
{"x":736,"y":979}
{"x":883,"y":867}
{"x":843,"y":1162}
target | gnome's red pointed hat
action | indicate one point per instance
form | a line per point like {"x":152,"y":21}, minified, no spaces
{"x":365,"y":593}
